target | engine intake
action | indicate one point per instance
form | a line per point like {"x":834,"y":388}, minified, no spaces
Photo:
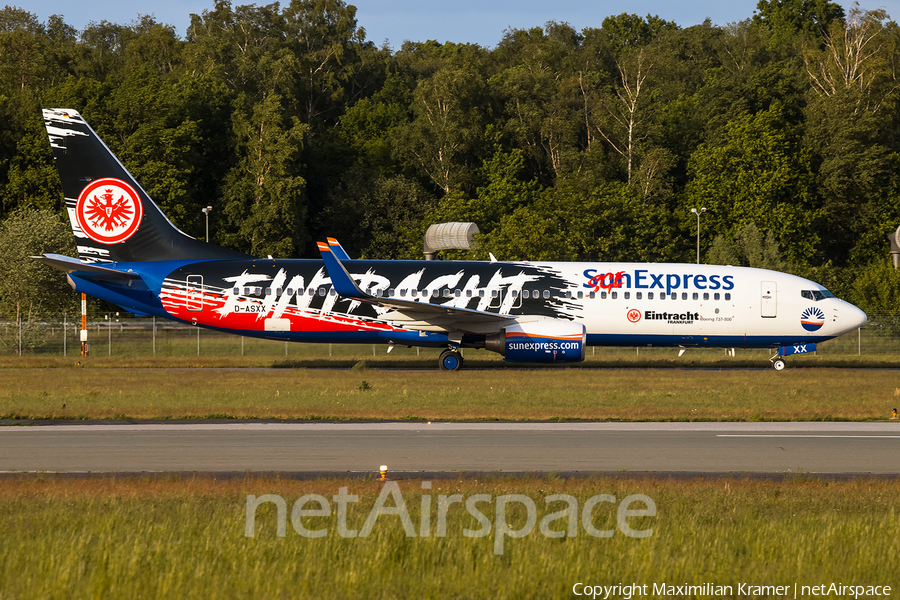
{"x":540,"y":342}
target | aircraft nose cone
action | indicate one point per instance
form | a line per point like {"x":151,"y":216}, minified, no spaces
{"x":850,"y":317}
{"x":858,"y":317}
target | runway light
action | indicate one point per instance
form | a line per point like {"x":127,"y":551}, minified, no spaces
{"x":384,"y":471}
{"x":894,"y":415}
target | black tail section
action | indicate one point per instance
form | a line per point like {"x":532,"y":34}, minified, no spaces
{"x":112,"y":217}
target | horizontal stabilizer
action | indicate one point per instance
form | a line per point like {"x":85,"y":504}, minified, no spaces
{"x":90,"y":270}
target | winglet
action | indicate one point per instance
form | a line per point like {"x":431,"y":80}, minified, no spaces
{"x":337,"y":249}
{"x":341,"y":281}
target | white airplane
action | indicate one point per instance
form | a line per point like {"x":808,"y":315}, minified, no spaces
{"x":130,"y":254}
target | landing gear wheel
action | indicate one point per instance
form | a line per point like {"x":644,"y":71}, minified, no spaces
{"x":778,"y":364}
{"x":450,"y":360}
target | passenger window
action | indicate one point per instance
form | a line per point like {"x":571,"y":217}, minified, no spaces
{"x":638,"y":295}
{"x":706,"y":295}
{"x":481,"y":293}
{"x":457,"y":293}
{"x":468,"y":293}
{"x":592,"y":295}
{"x":268,"y":291}
{"x":322,"y":291}
{"x":494,"y":293}
{"x":312,"y":292}
{"x":684,"y":295}
{"x":331,"y":292}
{"x":290,"y":291}
{"x":446,"y":293}
{"x":649,"y":295}
{"x":614,"y":295}
{"x":580,"y":295}
{"x":515,"y":293}
{"x":546,"y":294}
{"x":568,"y":293}
{"x":696,"y":296}
{"x":662,"y":295}
{"x":727,"y":296}
{"x":237,"y":291}
{"x":603,"y":295}
{"x":716,"y":296}
{"x":413,"y":293}
{"x":626,"y":295}
{"x":526,"y":294}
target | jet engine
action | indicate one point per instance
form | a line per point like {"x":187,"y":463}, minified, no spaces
{"x":540,"y":342}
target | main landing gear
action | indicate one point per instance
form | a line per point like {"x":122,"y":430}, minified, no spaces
{"x":778,"y":363}
{"x":451,"y":360}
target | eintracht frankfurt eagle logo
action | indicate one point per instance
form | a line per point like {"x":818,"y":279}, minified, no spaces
{"x":108,"y":211}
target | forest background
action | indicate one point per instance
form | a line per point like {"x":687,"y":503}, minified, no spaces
{"x":559,"y":144}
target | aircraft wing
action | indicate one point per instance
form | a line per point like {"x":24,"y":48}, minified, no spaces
{"x":409,"y":314}
{"x":85,"y":269}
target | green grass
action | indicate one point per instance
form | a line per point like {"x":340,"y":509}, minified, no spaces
{"x":554,"y":394}
{"x":184,"y":538}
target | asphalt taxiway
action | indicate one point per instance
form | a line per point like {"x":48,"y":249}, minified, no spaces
{"x":834,"y":447}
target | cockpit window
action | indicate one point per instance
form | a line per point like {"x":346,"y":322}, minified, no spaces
{"x":816,"y":295}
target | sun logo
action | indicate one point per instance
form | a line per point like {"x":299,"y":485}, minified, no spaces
{"x":108,"y":211}
{"x":812,"y":319}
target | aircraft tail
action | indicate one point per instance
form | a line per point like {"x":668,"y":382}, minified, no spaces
{"x":112,"y":217}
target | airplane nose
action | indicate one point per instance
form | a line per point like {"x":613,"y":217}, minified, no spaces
{"x":849,"y":317}
{"x":858,"y":317}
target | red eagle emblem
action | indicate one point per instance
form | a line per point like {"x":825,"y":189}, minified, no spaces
{"x":108,"y":211}
{"x":634,"y":315}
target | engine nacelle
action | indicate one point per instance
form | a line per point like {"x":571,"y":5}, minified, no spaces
{"x":540,"y":342}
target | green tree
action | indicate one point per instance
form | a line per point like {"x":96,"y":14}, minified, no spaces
{"x":788,"y":17}
{"x":760,"y":174}
{"x":750,"y":249}
{"x":264,"y":199}
{"x":630,"y":31}
{"x":876,"y":290}
{"x":28,"y":289}
{"x":32,"y":178}
{"x":449,"y":108}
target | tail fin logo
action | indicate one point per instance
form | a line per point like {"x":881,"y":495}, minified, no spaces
{"x":109,"y":211}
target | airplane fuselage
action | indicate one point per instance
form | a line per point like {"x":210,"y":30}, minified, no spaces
{"x":619,"y":304}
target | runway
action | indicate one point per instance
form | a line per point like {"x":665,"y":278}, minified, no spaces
{"x":855,"y":448}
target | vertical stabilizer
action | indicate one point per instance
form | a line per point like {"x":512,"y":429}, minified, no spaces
{"x":112,"y":217}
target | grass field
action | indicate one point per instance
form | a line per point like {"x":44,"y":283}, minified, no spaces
{"x":185,"y":538}
{"x":550,"y":394}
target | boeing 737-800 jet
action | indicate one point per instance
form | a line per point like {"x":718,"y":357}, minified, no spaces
{"x":130,"y":254}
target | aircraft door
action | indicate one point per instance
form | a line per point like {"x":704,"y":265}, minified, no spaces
{"x":768,"y":299}
{"x":194,"y":289}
